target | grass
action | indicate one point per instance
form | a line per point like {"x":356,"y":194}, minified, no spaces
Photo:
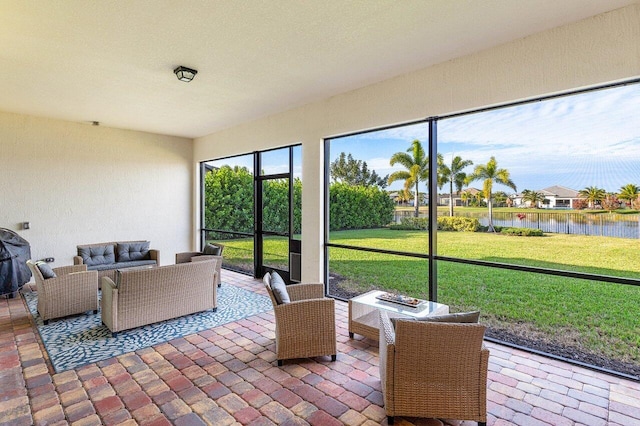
{"x":579,"y":315}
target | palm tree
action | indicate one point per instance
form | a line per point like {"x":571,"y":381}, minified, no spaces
{"x":533,"y":197}
{"x":592,"y":194}
{"x":454,"y":175}
{"x":490,"y":173}
{"x":629,"y":193}
{"x":417,"y":165}
{"x":465,"y":196}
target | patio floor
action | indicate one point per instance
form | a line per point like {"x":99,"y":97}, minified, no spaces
{"x":228,"y":375}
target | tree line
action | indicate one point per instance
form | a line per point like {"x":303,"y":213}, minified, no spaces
{"x":358,"y":198}
{"x":416,"y":164}
{"x":229,"y":203}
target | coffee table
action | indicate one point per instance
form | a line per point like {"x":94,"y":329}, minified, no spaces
{"x":364,"y":318}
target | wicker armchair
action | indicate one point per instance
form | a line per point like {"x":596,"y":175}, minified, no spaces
{"x":188,"y":256}
{"x":74,"y":290}
{"x":433,"y":370}
{"x":306,"y":327}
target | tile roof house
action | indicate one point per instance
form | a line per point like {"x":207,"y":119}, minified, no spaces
{"x":556,"y":197}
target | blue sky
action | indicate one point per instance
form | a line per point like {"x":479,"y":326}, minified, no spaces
{"x":591,"y":139}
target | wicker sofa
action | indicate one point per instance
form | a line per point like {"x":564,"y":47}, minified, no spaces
{"x":108,"y":257}
{"x":146,"y":296}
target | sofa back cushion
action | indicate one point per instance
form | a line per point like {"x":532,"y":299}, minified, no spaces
{"x":97,"y":254}
{"x":133,"y":250}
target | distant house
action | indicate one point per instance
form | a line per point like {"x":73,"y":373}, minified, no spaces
{"x":443,"y":199}
{"x":397,"y":198}
{"x":556,"y":197}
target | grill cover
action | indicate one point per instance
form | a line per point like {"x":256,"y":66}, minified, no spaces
{"x":14,"y":253}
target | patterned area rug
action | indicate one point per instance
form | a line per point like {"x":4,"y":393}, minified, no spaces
{"x":82,"y":339}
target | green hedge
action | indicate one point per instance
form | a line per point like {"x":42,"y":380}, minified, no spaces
{"x":228,"y":203}
{"x":458,"y":223}
{"x":358,"y":207}
{"x":445,"y":223}
{"x":522,"y":232}
{"x":228,"y":199}
{"x":411,"y":223}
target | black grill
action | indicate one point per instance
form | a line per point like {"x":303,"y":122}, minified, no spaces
{"x":14,"y":253}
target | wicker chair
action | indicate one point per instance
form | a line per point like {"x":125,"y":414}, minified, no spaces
{"x":433,"y":370}
{"x":74,"y":290}
{"x":306,"y":327}
{"x":188,"y":256}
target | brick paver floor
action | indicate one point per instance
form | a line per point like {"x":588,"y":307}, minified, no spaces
{"x":228,"y":376}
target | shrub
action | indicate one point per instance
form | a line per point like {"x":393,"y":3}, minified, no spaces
{"x":522,"y":232}
{"x":411,"y":223}
{"x":457,"y":223}
{"x":580,"y":204}
{"x":358,"y":207}
{"x":445,"y":223}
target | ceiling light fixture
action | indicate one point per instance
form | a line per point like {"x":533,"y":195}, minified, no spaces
{"x":185,"y":74}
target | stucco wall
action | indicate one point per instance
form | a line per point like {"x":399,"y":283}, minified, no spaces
{"x":597,"y":50}
{"x":77,"y":184}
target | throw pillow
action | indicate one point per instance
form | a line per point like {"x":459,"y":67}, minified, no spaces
{"x":97,"y":255}
{"x":211,"y":249}
{"x":46,"y":270}
{"x":134,"y":250}
{"x":279,"y":289}
{"x":461,"y":317}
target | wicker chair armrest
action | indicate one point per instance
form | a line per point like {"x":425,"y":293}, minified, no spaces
{"x":484,"y":368}
{"x":305,"y":291}
{"x":64,"y":270}
{"x":77,"y":260}
{"x":290,"y":316}
{"x":186,"y":256}
{"x":387,"y":330}
{"x":387,"y":353}
{"x":109,"y":303}
{"x":155,"y":255}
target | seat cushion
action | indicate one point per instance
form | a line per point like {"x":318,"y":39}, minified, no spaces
{"x":279,"y":289}
{"x":134,"y":250}
{"x":97,"y":255}
{"x":121,"y":265}
{"x":211,"y":250}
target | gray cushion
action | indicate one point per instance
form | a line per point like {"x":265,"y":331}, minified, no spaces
{"x":211,"y":249}
{"x":46,"y":270}
{"x":97,"y":255}
{"x":137,"y":250}
{"x":121,"y":265}
{"x":279,"y":289}
{"x":461,"y":317}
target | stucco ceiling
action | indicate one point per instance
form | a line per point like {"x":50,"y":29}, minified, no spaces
{"x":112,"y":61}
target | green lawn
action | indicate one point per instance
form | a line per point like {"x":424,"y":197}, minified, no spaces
{"x":579,"y":315}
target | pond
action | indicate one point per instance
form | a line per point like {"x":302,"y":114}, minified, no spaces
{"x":559,"y":222}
